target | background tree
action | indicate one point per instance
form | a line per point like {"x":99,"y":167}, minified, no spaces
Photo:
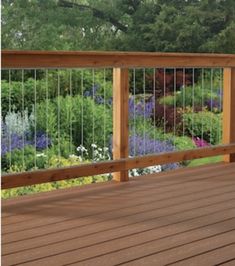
{"x":141,"y":25}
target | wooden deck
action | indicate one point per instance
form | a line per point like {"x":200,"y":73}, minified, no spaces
{"x":186,"y":217}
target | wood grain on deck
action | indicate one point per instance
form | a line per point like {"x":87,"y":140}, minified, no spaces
{"x":184,"y":217}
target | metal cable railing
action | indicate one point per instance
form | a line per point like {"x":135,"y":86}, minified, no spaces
{"x":52,"y":117}
{"x":180,"y":93}
{"x":62,"y":116}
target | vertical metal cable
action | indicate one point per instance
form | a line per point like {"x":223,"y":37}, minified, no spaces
{"x":154,"y":108}
{"x":202,"y":136}
{"x":164,"y":107}
{"x":93,"y":113}
{"x":70,"y":111}
{"x":35,"y":117}
{"x":144,"y":111}
{"x":9,"y":110}
{"x":104,"y":102}
{"x":174,"y":105}
{"x":193,"y":102}
{"x":58,"y":112}
{"x":82,"y":127}
{"x":211,"y":103}
{"x":220,"y":102}
{"x":47,"y":114}
{"x":184,"y":89}
{"x":23,"y":116}
{"x":134,"y":84}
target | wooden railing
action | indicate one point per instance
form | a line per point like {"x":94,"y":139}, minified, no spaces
{"x":121,"y":62}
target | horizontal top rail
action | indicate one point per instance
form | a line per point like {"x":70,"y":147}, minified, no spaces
{"x":76,"y":59}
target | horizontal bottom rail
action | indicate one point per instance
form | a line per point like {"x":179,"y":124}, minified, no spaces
{"x":50,"y":175}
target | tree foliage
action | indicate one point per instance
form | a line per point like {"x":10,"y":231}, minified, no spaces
{"x":141,"y":25}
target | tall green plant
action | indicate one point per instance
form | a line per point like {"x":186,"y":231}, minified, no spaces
{"x":77,"y":117}
{"x":206,"y":125}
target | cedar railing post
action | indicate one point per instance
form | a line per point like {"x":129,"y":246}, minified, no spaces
{"x":120,"y":118}
{"x":229,"y":110}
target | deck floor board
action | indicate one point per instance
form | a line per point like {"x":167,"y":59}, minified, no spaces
{"x":185,"y":217}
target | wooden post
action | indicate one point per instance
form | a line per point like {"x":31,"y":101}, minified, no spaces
{"x":120,"y":119}
{"x":229,"y":110}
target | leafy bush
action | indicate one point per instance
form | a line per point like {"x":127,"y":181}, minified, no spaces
{"x":169,"y":117}
{"x":23,"y":93}
{"x":47,"y":161}
{"x":77,"y":118}
{"x":61,"y":147}
{"x":23,"y":160}
{"x":26,"y":158}
{"x":183,"y":143}
{"x":205,"y":125}
{"x":165,"y":78}
{"x":14,"y":192}
{"x":141,"y":126}
{"x":22,"y":97}
{"x":198,"y":97}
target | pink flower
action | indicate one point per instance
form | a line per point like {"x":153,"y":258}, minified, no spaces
{"x":200,"y":142}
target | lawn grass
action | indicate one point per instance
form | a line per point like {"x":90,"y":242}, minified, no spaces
{"x":207,"y":160}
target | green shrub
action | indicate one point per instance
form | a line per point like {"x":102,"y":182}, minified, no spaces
{"x":28,"y":159}
{"x":143,"y":126}
{"x":22,"y":94}
{"x":182,"y":143}
{"x":78,"y":81}
{"x":146,"y":127}
{"x":206,"y":125}
{"x":189,"y":96}
{"x":22,"y":97}
{"x":54,"y":162}
{"x":76,"y":113}
{"x":61,"y":147}
{"x":23,"y":160}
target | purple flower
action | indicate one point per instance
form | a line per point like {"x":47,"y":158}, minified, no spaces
{"x":10,"y":142}
{"x":200,"y":142}
{"x":110,"y":101}
{"x":87,"y":93}
{"x":142,"y":108}
{"x":216,"y":103}
{"x":213,"y":104}
{"x":42,"y":141}
{"x":92,"y":92}
{"x":140,"y":145}
{"x":99,"y":99}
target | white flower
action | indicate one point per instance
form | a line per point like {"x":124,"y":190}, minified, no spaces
{"x":81,"y":148}
{"x":41,"y":155}
{"x":93,"y":145}
{"x":73,"y":156}
{"x":147,"y":170}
